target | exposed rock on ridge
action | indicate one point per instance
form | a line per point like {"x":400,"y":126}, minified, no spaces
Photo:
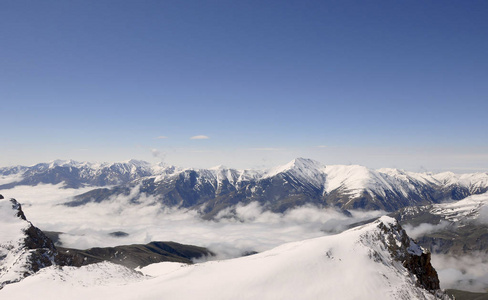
{"x":27,"y":249}
{"x":416,"y":259}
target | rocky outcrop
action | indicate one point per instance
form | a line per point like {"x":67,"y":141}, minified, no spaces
{"x":414,"y":258}
{"x":29,"y":249}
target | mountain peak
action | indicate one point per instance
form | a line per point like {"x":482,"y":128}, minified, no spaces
{"x":136,"y":162}
{"x":63,"y":163}
{"x":300,"y":161}
{"x":219,"y":168}
{"x":298,"y":164}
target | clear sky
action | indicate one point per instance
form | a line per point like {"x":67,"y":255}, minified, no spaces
{"x":379,"y":83}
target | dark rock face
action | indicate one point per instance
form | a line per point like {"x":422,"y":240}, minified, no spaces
{"x":417,"y":263}
{"x":17,"y":207}
{"x":422,"y":268}
{"x":42,"y":249}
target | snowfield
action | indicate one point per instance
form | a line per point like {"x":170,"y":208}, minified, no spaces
{"x":355,"y":264}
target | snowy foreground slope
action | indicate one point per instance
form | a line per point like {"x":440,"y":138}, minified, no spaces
{"x":374,"y":261}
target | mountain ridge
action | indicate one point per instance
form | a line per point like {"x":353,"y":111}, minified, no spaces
{"x":299,"y":182}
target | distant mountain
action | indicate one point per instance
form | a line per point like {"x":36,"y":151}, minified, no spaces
{"x":78,"y":174}
{"x":374,"y":261}
{"x":456,"y":228}
{"x":300,"y":182}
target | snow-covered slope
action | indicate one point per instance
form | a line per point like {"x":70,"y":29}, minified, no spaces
{"x":375,"y":261}
{"x":462,"y":210}
{"x":303,"y":171}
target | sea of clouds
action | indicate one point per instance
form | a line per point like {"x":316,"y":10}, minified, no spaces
{"x":235,"y":231}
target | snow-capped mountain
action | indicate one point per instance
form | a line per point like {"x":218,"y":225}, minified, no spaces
{"x":374,"y":261}
{"x":77,"y":174}
{"x":300,"y":182}
{"x":456,"y":228}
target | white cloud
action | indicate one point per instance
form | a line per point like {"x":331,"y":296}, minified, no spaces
{"x":236,"y":230}
{"x":424,"y":228}
{"x":155,"y":152}
{"x":266,"y":149}
{"x":199,"y":137}
{"x":467,"y":272}
{"x":322,"y":146}
{"x":483,"y":216}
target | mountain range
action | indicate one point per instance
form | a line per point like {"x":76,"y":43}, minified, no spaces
{"x":210,"y":191}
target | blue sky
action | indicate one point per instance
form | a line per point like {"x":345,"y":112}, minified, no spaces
{"x":379,"y":83}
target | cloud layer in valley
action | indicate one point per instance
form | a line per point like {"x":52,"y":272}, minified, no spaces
{"x":417,"y":231}
{"x":468,"y":272}
{"x":235,"y":231}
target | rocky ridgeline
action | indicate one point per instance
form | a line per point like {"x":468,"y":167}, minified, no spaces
{"x":414,"y":258}
{"x":25,"y":249}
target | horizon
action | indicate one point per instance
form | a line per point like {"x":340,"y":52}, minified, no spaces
{"x":246,"y":84}
{"x":263,"y":168}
